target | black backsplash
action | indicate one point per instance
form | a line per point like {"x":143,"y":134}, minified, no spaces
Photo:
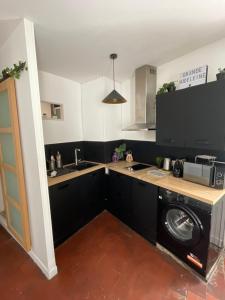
{"x":146,"y":152}
{"x":143,"y":151}
{"x":66,"y":150}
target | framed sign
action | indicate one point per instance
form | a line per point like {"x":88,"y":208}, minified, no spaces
{"x":193,"y":77}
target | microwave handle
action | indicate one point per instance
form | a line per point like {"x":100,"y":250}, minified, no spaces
{"x":214,"y":176}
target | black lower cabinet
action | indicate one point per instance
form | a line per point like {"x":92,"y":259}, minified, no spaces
{"x":92,"y":194}
{"x":144,"y":199}
{"x":134,"y":202}
{"x":75,"y":202}
{"x":118,"y":196}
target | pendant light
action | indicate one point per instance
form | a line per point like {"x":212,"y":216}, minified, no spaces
{"x":114,"y":97}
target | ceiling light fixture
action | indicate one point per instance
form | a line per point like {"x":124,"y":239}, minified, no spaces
{"x":114,"y":97}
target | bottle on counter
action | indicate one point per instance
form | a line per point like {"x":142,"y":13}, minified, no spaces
{"x":58,"y":160}
{"x":52,"y":163}
{"x":115,"y":157}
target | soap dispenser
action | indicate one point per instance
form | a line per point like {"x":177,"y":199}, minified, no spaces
{"x":58,"y":160}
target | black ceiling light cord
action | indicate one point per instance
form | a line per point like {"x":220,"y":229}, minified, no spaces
{"x":114,"y":97}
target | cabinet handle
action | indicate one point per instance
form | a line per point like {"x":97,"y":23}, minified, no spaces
{"x":169,"y":141}
{"x":202,"y":142}
{"x":61,"y":187}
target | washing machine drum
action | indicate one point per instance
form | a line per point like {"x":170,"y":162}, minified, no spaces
{"x":182,"y":225}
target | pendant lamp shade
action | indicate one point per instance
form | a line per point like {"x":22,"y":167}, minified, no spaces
{"x":114,"y":97}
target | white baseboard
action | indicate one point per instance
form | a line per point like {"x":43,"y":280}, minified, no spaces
{"x":49,"y":274}
{"x":3,"y":222}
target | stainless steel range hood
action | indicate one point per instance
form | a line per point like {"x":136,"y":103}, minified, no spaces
{"x":145,"y":99}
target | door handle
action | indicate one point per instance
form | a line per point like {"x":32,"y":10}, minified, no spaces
{"x":202,"y":142}
{"x":169,"y":140}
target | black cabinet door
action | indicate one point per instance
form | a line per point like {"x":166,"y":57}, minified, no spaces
{"x":92,"y":195}
{"x":145,"y":209}
{"x":65,"y":209}
{"x":74,"y":203}
{"x":119,"y":196}
{"x":170,"y":119}
{"x":205,"y":116}
{"x":134,"y":202}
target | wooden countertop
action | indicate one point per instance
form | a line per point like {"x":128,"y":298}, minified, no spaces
{"x":179,"y":185}
{"x":59,"y":179}
{"x":196,"y":191}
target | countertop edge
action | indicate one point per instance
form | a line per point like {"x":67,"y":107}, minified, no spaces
{"x":160,"y":182}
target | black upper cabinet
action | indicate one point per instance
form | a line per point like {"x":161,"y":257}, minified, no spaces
{"x":169,"y":114}
{"x":204,"y":116}
{"x":193,"y":117}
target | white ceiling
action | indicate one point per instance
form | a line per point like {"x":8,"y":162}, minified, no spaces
{"x":6,"y":27}
{"x":75,"y":37}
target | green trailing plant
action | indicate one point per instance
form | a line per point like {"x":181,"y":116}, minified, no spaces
{"x":13,"y":72}
{"x":167,"y":87}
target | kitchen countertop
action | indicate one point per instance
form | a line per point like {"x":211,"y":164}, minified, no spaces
{"x":190,"y":189}
{"x":62,"y":178}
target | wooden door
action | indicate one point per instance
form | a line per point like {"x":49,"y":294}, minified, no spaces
{"x":11,"y":166}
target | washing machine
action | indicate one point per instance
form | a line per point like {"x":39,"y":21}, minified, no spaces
{"x":191,"y":230}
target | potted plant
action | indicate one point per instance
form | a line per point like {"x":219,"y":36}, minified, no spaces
{"x":171,"y":86}
{"x":167,"y":87}
{"x":14,"y":72}
{"x":120,"y":151}
{"x":221,"y":74}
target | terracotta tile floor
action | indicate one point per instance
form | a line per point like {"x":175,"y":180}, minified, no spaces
{"x":104,"y":261}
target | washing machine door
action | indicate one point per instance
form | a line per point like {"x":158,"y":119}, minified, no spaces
{"x":182,"y":225}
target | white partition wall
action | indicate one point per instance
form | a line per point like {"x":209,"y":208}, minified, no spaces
{"x":20,"y":45}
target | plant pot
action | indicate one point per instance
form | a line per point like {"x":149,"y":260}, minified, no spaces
{"x":220,"y":76}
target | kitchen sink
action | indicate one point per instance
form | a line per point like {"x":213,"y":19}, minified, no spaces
{"x":73,"y":168}
{"x":81,"y":166}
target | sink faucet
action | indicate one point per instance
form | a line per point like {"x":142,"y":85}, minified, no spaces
{"x":76,"y":159}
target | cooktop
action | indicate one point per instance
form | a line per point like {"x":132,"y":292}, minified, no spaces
{"x":138,"y":167}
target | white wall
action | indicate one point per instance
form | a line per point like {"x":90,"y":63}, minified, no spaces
{"x":57,"y":89}
{"x":21,"y":46}
{"x":212,"y":55}
{"x":101,"y":122}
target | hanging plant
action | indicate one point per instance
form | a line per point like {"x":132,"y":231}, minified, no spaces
{"x":13,"y":72}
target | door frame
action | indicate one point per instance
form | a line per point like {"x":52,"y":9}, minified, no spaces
{"x":25,"y":241}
